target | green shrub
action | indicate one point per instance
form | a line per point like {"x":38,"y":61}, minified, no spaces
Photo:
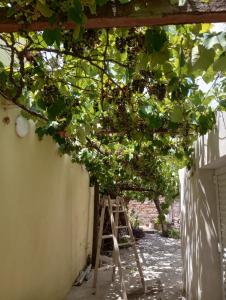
{"x":174,"y":233}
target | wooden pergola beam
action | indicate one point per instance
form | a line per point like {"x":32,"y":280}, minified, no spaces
{"x":136,"y":13}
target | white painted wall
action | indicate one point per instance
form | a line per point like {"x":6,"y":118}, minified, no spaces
{"x":200,"y":237}
{"x":46,"y":216}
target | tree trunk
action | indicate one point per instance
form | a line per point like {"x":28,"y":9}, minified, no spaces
{"x":165,"y":232}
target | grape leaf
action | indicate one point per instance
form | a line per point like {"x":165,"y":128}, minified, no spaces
{"x":44,"y":9}
{"x":75,"y":12}
{"x":155,"y":39}
{"x":176,"y":115}
{"x":220,"y":63}
{"x":51,"y":36}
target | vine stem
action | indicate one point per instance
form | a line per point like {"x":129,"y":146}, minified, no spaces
{"x":23,"y":107}
{"x":69,"y":53}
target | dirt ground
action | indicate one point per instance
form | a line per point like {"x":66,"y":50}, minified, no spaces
{"x":162,"y":267}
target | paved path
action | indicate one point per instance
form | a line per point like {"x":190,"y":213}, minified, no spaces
{"x":161,"y":260}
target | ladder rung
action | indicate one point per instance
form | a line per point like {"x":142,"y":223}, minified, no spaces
{"x":120,"y":211}
{"x":126,"y":244}
{"x":121,"y":227}
{"x":107,"y":236}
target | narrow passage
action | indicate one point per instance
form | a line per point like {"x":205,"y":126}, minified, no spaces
{"x":162,"y":267}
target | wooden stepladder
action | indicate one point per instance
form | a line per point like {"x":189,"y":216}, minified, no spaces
{"x":116,"y":207}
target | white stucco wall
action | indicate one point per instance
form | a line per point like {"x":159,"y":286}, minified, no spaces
{"x":211,"y":148}
{"x":46,"y":216}
{"x":200,"y":236}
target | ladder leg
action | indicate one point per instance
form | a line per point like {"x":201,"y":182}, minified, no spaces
{"x":134,"y":247}
{"x":116,"y":234}
{"x":99,"y":244}
{"x":116,"y":251}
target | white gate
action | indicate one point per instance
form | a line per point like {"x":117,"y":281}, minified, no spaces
{"x":221,"y":195}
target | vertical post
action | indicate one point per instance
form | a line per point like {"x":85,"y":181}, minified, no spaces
{"x":99,"y":243}
{"x":95,"y":223}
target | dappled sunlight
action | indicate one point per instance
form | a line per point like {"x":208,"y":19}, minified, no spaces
{"x":162,"y":269}
{"x":199,"y":236}
{"x":210,"y":148}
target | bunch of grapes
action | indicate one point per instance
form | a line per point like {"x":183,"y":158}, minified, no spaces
{"x":91,"y":38}
{"x":23,"y":11}
{"x":158,"y":90}
{"x":50,"y":94}
{"x":138,"y":85}
{"x":89,"y":41}
{"x":67,"y":38}
{"x":133,"y":43}
{"x":147,"y":74}
{"x":120,"y":44}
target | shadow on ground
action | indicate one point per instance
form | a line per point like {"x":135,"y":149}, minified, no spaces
{"x":162,"y":268}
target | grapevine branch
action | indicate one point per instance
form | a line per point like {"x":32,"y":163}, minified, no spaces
{"x":76,"y":55}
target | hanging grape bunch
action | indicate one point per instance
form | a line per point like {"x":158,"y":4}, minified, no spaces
{"x":29,"y":78}
{"x":158,"y":90}
{"x":91,"y":38}
{"x":135,"y":42}
{"x":120,"y":44}
{"x":67,"y":39}
{"x":50,"y":94}
{"x":24,"y":12}
{"x":147,"y":74}
{"x":138,"y":85}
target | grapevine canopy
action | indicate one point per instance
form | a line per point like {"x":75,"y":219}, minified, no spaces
{"x":123,"y":101}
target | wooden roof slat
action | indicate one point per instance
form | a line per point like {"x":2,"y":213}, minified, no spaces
{"x":136,"y":13}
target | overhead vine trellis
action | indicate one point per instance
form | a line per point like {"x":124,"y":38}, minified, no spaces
{"x":122,"y":101}
{"x":108,"y":13}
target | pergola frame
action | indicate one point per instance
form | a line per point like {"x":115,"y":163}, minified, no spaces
{"x":135,"y":14}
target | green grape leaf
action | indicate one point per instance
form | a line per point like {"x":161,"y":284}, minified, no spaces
{"x":154,"y":121}
{"x":222,"y":103}
{"x":52,"y":36}
{"x":202,"y":58}
{"x":176,"y":115}
{"x":206,"y":121}
{"x":81,"y":134}
{"x":55,"y":109}
{"x":75,"y":13}
{"x":155,"y":39}
{"x":220,"y":63}
{"x":44,"y":9}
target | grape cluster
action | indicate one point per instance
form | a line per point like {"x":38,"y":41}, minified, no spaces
{"x":138,"y":85}
{"x":147,"y":74}
{"x":90,"y":40}
{"x":50,"y":93}
{"x":28,"y":78}
{"x":158,"y":90}
{"x":120,"y":44}
{"x":146,"y":82}
{"x":24,"y":12}
{"x":132,"y":43}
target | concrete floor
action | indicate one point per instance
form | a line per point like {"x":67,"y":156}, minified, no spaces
{"x":161,"y":262}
